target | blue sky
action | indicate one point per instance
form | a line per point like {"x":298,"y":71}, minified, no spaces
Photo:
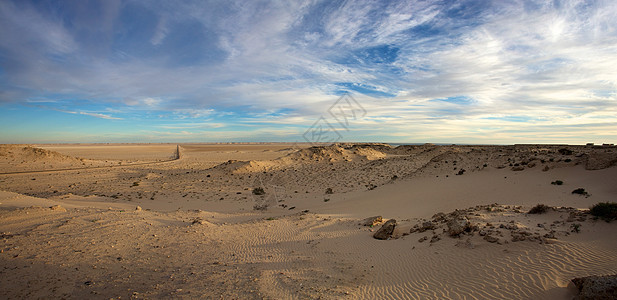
{"x":244,"y":71}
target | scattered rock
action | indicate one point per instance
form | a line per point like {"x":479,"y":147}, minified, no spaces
{"x":435,"y":238}
{"x":596,"y":287}
{"x":371,"y":221}
{"x":439,"y":217}
{"x":600,"y":160}
{"x":58,"y":208}
{"x":518,"y":168}
{"x":517,"y":237}
{"x":426,"y":226}
{"x":198,"y":221}
{"x":138,"y":208}
{"x":491,"y":239}
{"x":386,"y":230}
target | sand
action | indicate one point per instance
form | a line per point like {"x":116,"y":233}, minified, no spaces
{"x":137,"y":221}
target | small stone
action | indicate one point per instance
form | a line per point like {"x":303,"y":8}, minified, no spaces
{"x":138,"y":208}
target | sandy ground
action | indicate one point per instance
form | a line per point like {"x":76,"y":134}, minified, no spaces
{"x":137,"y":221}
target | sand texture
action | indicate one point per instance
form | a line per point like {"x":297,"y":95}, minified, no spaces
{"x":283,"y":221}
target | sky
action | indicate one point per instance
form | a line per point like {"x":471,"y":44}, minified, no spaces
{"x":466,"y":71}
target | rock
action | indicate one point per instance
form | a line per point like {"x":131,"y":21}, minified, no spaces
{"x":371,"y":221}
{"x":439,"y":217}
{"x":422,"y":239}
{"x":386,"y":230}
{"x":426,"y":226}
{"x":518,"y":168}
{"x":491,"y":239}
{"x":199,"y":221}
{"x":58,"y":208}
{"x":435,"y":238}
{"x":138,"y":208}
{"x":457,"y":226}
{"x":517,"y":237}
{"x":511,"y":226}
{"x":596,"y":287}
{"x":546,"y":168}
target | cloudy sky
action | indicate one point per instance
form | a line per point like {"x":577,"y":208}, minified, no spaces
{"x":466,"y":71}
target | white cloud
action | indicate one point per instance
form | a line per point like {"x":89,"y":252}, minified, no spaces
{"x":97,"y":115}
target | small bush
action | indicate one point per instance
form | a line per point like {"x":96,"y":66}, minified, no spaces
{"x":580,"y":191}
{"x":259,"y":191}
{"x":604,"y":210}
{"x":539,"y":209}
{"x":557,"y":182}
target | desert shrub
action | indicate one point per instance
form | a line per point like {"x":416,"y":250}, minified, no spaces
{"x":539,"y":209}
{"x":580,"y":191}
{"x":557,"y":182}
{"x":604,"y":210}
{"x":259,"y":191}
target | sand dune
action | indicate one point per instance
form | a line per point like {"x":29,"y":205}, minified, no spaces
{"x":188,"y":228}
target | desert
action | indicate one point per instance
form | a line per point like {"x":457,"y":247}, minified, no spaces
{"x":301,"y":221}
{"x":312,"y":149}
